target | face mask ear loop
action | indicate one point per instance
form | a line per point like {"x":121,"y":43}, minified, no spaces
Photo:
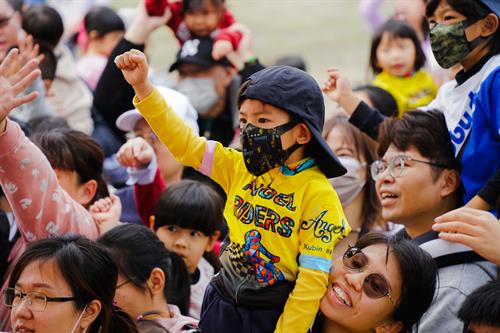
{"x":478,"y":40}
{"x":78,"y":320}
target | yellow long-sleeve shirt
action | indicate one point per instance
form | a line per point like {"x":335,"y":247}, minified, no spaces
{"x":409,"y":92}
{"x":282,"y":227}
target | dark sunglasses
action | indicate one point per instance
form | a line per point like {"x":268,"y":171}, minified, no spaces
{"x":375,"y":284}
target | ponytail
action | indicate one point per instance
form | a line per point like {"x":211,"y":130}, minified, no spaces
{"x":177,"y":290}
{"x":120,"y":322}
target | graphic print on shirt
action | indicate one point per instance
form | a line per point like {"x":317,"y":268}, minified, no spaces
{"x":265,"y":271}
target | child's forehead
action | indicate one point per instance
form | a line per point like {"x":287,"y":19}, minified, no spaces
{"x":254,"y":106}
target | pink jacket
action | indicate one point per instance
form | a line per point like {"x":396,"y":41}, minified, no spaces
{"x":40,"y":206}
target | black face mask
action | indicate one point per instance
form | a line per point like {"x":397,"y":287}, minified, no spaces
{"x":262,"y":150}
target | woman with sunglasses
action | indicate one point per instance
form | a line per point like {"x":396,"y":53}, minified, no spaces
{"x":65,"y":285}
{"x":382,"y":284}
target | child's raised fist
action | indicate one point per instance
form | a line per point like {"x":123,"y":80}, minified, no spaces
{"x":134,"y":67}
{"x":338,"y":88}
{"x":135,"y":153}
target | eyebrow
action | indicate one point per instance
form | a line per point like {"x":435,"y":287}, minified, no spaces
{"x":37,"y":285}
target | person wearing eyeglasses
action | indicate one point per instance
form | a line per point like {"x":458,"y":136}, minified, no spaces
{"x":381,"y":284}
{"x":65,"y":284}
{"x":417,"y":180}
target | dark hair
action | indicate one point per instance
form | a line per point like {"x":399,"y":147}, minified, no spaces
{"x":48,"y":65}
{"x":424,"y":130}
{"x":418,"y":276}
{"x":44,"y":23}
{"x":71,"y":150}
{"x":482,"y":306}
{"x":296,"y":61}
{"x":473,"y":10}
{"x":88,"y":270}
{"x":364,"y":148}
{"x":137,"y":251}
{"x":16,"y":5}
{"x":103,"y":20}
{"x":189,"y":6}
{"x":381,"y":99}
{"x":47,"y":123}
{"x":397,"y":29}
{"x":190,"y":204}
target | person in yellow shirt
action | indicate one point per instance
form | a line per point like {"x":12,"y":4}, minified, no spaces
{"x":396,"y":59}
{"x":284,"y":217}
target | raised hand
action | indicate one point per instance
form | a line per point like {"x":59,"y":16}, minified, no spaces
{"x":106,"y":212}
{"x":13,"y":83}
{"x":221,"y":49}
{"x":338,"y":88}
{"x":135,"y":153}
{"x":143,"y":24}
{"x":134,"y":67}
{"x":477,"y":229}
{"x":27,"y":50}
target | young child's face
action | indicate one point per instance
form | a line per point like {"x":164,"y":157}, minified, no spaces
{"x":190,"y":244}
{"x":396,"y":55}
{"x":104,"y":45}
{"x":266,"y":116}
{"x":202,"y":22}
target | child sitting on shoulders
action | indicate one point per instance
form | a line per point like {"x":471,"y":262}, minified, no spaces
{"x":284,"y":217}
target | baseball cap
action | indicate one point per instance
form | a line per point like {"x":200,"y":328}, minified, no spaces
{"x":198,"y":51}
{"x":493,"y":5}
{"x":177,"y":101}
{"x":297,"y":93}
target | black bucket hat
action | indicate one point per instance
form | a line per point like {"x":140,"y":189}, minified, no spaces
{"x":297,"y":93}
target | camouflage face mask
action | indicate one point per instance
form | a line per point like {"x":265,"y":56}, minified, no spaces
{"x":449,"y":43}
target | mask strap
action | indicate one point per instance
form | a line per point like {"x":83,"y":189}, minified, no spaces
{"x":478,"y":40}
{"x":78,"y":320}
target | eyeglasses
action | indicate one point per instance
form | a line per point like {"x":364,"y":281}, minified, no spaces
{"x":396,"y":166}
{"x":36,"y":301}
{"x":375,"y":285}
{"x":123,"y":283}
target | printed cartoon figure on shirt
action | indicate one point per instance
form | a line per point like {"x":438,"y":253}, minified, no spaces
{"x":265,"y":271}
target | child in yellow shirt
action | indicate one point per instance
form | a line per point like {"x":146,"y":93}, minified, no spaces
{"x":284,"y":217}
{"x":396,"y":59}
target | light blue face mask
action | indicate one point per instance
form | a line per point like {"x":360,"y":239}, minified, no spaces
{"x":200,"y":91}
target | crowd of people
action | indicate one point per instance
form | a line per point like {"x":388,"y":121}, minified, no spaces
{"x":228,"y":198}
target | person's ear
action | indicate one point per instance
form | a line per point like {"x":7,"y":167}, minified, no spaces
{"x":490,"y":25}
{"x":87,"y":192}
{"x":212,"y":240}
{"x":229,"y":72}
{"x":390,"y":326}
{"x":90,"y":313}
{"x":156,"y":281}
{"x":93,"y":34}
{"x":450,"y":180}
{"x":304,"y":134}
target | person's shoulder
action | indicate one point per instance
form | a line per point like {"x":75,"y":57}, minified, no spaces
{"x":464,"y":278}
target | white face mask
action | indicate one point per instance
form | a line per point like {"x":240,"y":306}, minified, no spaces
{"x":200,"y":92}
{"x":349,"y":185}
{"x":78,"y":321}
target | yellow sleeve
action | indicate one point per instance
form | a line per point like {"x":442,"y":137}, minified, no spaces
{"x":209,"y":157}
{"x":185,"y":145}
{"x":323,"y":225}
{"x":303,"y":302}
